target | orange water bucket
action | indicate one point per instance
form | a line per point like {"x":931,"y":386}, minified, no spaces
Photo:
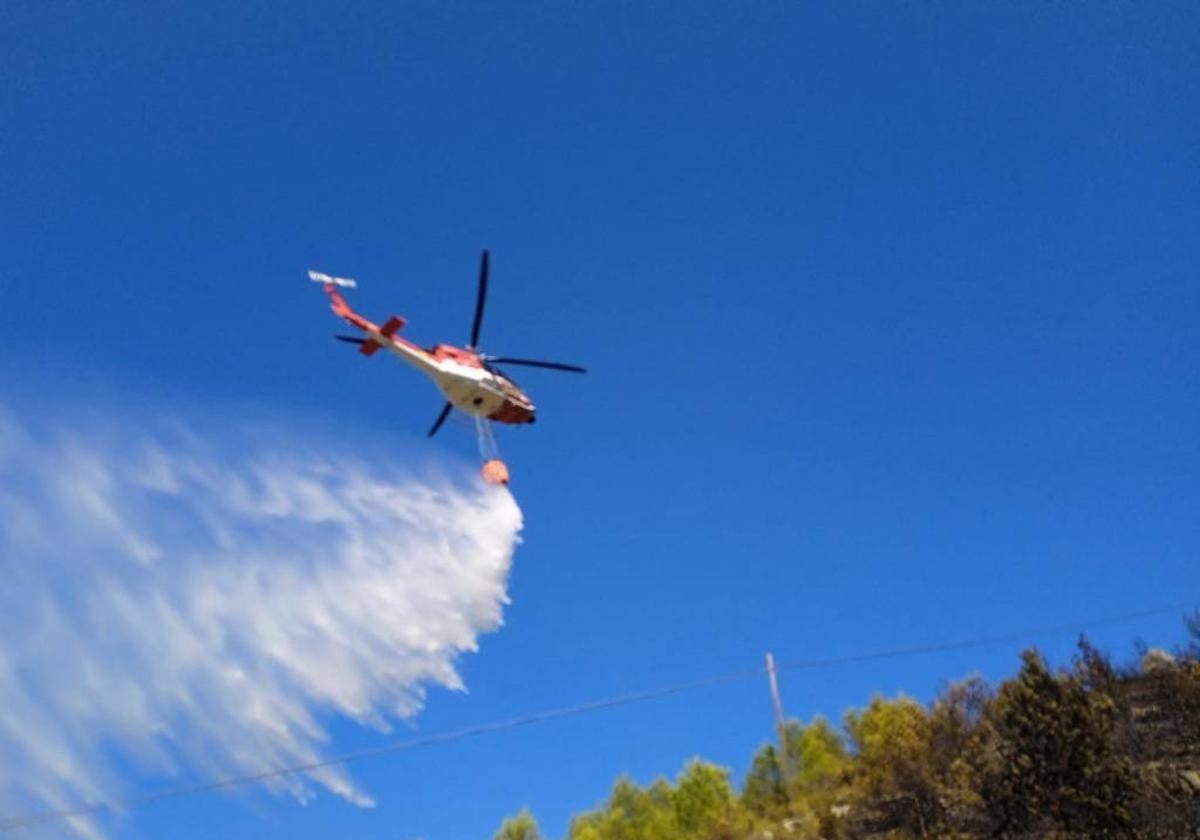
{"x":495,"y":471}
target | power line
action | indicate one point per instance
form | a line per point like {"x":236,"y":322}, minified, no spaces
{"x":373,"y":752}
{"x":986,"y":641}
{"x":130,"y":803}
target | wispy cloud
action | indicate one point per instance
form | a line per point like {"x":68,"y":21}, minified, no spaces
{"x":199,"y":608}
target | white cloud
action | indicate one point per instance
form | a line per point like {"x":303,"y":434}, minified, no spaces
{"x":200,"y":609}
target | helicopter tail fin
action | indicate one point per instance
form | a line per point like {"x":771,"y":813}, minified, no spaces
{"x":393,"y":326}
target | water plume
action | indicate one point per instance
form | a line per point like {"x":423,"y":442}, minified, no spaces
{"x":202,"y":606}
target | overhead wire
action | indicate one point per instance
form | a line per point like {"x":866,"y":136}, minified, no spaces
{"x":632,"y":698}
{"x":986,"y":641}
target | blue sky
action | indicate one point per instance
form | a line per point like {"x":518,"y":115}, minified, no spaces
{"x":889,"y":310}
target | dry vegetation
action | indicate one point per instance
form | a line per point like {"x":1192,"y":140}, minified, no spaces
{"x":1087,"y":751}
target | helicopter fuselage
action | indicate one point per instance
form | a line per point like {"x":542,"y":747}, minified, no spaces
{"x":471,"y":386}
{"x":459,"y":373}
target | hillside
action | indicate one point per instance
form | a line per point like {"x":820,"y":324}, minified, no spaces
{"x":1092,"y":750}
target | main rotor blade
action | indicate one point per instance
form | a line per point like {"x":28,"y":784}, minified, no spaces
{"x":481,"y":299}
{"x":505,"y":360}
{"x":441,"y":418}
{"x":351,"y":339}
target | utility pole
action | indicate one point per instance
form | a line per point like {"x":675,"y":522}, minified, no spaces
{"x":785,"y":757}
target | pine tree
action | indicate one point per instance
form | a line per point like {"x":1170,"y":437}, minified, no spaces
{"x":1052,"y":759}
{"x":521,"y":827}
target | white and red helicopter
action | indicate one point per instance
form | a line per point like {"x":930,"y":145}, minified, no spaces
{"x":467,"y":377}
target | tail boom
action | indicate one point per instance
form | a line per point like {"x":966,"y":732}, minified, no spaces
{"x":377,"y":336}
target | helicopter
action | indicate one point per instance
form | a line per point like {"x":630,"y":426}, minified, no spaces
{"x":466,"y":376}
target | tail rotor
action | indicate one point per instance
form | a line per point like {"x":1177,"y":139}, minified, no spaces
{"x":344,"y":282}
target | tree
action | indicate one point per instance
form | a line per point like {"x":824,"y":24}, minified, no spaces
{"x":699,"y":806}
{"x":631,"y":813}
{"x":703,"y":800}
{"x":891,"y":741}
{"x":763,"y":792}
{"x":943,"y":785}
{"x":818,"y":755}
{"x":521,"y":827}
{"x":819,"y":763}
{"x":1161,"y":706}
{"x":1051,"y":760}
